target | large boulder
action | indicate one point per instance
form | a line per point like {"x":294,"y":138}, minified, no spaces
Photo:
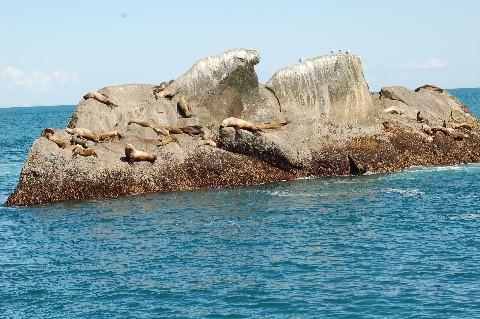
{"x":334,"y":124}
{"x":328,"y":88}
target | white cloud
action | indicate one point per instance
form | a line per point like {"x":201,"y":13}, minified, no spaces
{"x":431,"y":63}
{"x":37,"y":81}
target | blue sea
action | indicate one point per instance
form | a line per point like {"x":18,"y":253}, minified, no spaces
{"x":404,"y":245}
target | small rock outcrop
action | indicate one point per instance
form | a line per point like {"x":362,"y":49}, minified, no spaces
{"x":315,"y":118}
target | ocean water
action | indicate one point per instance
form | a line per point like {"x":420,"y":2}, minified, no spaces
{"x":404,"y":245}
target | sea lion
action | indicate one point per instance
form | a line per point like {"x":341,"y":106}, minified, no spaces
{"x":184,"y":108}
{"x":427,"y":129}
{"x":467,"y":126}
{"x":239,"y":124}
{"x":161,"y":130}
{"x":242,"y":124}
{"x":157,"y":129}
{"x":48,"y":133}
{"x":102,"y":98}
{"x":445,"y":130}
{"x":139,"y":122}
{"x":80,"y":150}
{"x":429,"y":87}
{"x":164,"y":94}
{"x":77,"y":140}
{"x":420,"y":118}
{"x":167,"y":140}
{"x":89,"y":135}
{"x":162,"y":86}
{"x":193,"y":130}
{"x":173,"y":130}
{"x":354,"y":167}
{"x":208,"y":142}
{"x":394,"y":110}
{"x":133,"y":155}
{"x":109,"y":135}
{"x":271,"y":125}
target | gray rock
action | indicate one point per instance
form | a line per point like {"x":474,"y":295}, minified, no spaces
{"x":332,"y":117}
{"x":328,"y":88}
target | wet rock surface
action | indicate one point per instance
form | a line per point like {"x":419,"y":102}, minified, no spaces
{"x":334,"y":127}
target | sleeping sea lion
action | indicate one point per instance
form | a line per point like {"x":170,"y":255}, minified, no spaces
{"x":167,"y":140}
{"x":109,"y":135}
{"x":184,"y":108}
{"x":394,"y":110}
{"x":208,"y":142}
{"x":77,"y":140}
{"x":467,"y":126}
{"x":271,"y":125}
{"x":134,"y":155}
{"x":89,"y":135}
{"x":239,"y":124}
{"x":157,"y":129}
{"x":165,"y":94}
{"x":102,"y":98}
{"x":80,"y":150}
{"x":48,"y":133}
{"x":193,"y":130}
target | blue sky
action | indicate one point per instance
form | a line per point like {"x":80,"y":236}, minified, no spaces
{"x":52,"y":52}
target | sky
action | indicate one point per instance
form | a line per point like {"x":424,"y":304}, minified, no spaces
{"x":53,"y":52}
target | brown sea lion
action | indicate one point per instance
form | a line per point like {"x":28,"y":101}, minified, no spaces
{"x":133,"y":155}
{"x":164,"y":94}
{"x":272,"y":125}
{"x":208,"y":142}
{"x":184,"y":108}
{"x":445,"y":130}
{"x":427,"y":129}
{"x":193,"y":130}
{"x":139,"y":122}
{"x":162,"y":86}
{"x":167,"y":140}
{"x":80,"y":150}
{"x":110,"y":135}
{"x":102,"y":98}
{"x":467,"y":126}
{"x":239,"y":124}
{"x":161,"y":130}
{"x":48,"y":133}
{"x":157,"y":129}
{"x":173,"y":129}
{"x":77,"y":140}
{"x":89,"y":135}
{"x":394,"y":110}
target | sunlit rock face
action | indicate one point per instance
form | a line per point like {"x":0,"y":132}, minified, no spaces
{"x":325,"y":122}
{"x":328,"y":88}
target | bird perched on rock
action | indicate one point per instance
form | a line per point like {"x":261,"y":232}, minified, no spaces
{"x":301,"y":60}
{"x":332,"y":51}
